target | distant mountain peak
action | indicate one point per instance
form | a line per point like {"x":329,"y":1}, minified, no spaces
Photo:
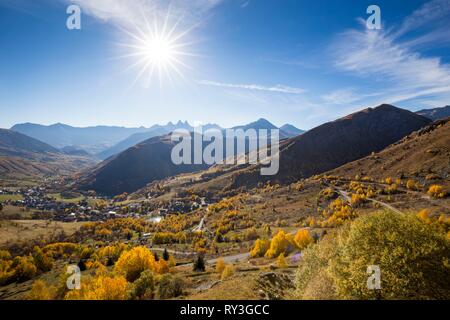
{"x":291,"y":131}
{"x":435,"y":113}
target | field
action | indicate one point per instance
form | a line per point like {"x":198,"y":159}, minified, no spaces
{"x":12,"y":231}
{"x":10,"y":197}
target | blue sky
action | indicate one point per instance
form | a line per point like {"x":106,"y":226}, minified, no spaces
{"x":290,"y":61}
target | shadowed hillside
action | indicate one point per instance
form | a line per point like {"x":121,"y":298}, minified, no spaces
{"x":134,"y":168}
{"x":23,"y":156}
{"x":423,"y":153}
{"x":336,"y":143}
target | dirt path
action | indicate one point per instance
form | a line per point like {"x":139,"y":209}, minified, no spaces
{"x":345,"y":195}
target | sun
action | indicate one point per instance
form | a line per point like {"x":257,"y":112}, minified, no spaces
{"x":157,"y":51}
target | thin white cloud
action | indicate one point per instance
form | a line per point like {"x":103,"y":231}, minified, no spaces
{"x":378,"y":56}
{"x":341,"y":96}
{"x":131,"y":13}
{"x":431,"y":12}
{"x":254,"y":87}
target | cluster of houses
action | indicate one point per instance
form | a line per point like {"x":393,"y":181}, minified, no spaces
{"x":37,"y":199}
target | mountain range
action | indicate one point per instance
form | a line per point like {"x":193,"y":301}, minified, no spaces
{"x":336,"y":143}
{"x":316,"y":151}
{"x":106,"y":141}
{"x":142,"y":155}
{"x":23,"y":156}
{"x":436,"y":113}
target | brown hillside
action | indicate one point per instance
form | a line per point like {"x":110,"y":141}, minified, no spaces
{"x":336,"y":143}
{"x":25,"y":157}
{"x":134,"y":168}
{"x":422,"y":154}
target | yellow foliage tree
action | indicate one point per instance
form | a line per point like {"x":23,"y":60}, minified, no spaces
{"x":303,"y":238}
{"x":220,"y":265}
{"x":24,"y":268}
{"x":227,"y":272}
{"x":101,"y":288}
{"x":412,"y":185}
{"x":424,"y":215}
{"x":436,"y":191}
{"x":162,"y":266}
{"x":260,"y":248}
{"x":132,"y":263}
{"x":41,"y":291}
{"x":281,"y":243}
{"x":281,"y":261}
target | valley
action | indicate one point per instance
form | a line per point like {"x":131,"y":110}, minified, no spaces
{"x":224,"y":232}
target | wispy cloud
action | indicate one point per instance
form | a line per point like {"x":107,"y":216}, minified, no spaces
{"x":432,"y":12}
{"x":254,"y":87}
{"x":131,"y":13}
{"x":382,"y":57}
{"x":341,"y":96}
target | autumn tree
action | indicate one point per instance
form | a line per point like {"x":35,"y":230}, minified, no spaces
{"x":199,"y":264}
{"x":24,"y":268}
{"x":42,"y":261}
{"x":132,"y":263}
{"x":260,"y":248}
{"x":281,"y":243}
{"x":227,"y":272}
{"x":40,"y":290}
{"x":281,"y":261}
{"x":303,"y":238}
{"x":220,"y":265}
{"x":412,"y":185}
{"x":101,"y":287}
{"x":436,"y":191}
{"x":165,"y":255}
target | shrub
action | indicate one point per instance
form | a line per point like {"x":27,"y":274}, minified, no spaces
{"x":24,"y":268}
{"x":162,"y":266}
{"x":220,"y":265}
{"x":132,"y":263}
{"x":41,"y":291}
{"x":436,"y":191}
{"x":227,"y":272}
{"x":412,"y":256}
{"x":6,"y":272}
{"x":169,"y":286}
{"x":412,"y":185}
{"x":250,"y":234}
{"x":424,"y":215}
{"x":313,"y":281}
{"x":5,"y":255}
{"x":144,"y":287}
{"x":42,"y":261}
{"x":357,"y":200}
{"x":281,"y":261}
